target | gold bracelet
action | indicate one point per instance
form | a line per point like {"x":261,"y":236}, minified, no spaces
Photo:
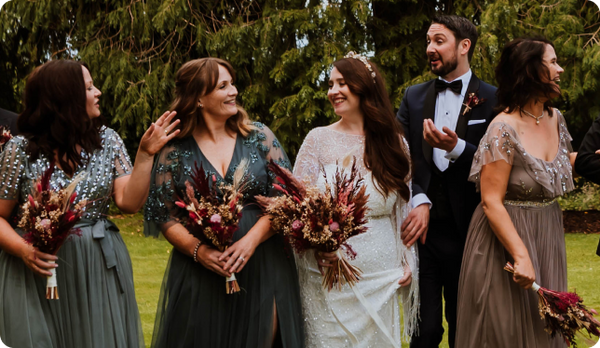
{"x":196,"y":251}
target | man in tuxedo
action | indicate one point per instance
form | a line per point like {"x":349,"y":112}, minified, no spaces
{"x":587,"y":163}
{"x":9,"y":120}
{"x":443,"y":124}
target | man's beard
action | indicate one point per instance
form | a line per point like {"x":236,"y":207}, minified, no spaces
{"x":446,"y":67}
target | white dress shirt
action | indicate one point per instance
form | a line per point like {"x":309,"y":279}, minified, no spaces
{"x":447,"y":112}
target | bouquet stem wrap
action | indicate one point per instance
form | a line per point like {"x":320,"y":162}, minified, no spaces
{"x":232,"y":286}
{"x":51,"y":284}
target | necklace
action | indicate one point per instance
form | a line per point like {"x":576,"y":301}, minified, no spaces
{"x":537,"y":118}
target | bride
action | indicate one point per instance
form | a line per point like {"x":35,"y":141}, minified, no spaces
{"x":368,"y":314}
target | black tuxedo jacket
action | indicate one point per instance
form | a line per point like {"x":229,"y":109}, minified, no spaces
{"x":418,"y":104}
{"x":8,"y":118}
{"x":587,"y":163}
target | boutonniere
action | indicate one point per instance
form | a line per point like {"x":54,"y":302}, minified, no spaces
{"x":473,"y":100}
{"x":5,"y":136}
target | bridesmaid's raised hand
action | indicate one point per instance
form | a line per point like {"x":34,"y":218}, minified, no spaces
{"x":159,"y":133}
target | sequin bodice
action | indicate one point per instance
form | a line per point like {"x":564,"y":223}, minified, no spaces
{"x":531,"y":179}
{"x":100,"y":168}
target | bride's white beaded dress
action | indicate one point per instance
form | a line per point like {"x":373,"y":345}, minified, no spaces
{"x":367,"y":315}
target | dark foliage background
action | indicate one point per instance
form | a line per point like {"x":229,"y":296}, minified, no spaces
{"x":282,"y":50}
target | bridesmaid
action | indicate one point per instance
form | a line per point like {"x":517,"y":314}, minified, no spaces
{"x":523,"y":163}
{"x":194,"y":310}
{"x":97,"y":306}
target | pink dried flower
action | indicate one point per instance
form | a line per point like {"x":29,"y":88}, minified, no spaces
{"x":297,"y":225}
{"x":215,"y":219}
{"x":334,"y":226}
{"x":46,"y":223}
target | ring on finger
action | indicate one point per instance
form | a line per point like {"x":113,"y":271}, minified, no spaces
{"x":166,"y":131}
{"x":241,"y":258}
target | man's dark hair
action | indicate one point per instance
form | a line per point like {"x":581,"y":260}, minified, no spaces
{"x":461,"y":27}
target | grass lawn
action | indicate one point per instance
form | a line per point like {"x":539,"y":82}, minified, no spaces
{"x":150,"y":256}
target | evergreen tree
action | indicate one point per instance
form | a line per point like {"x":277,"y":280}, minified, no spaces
{"x":282,"y":50}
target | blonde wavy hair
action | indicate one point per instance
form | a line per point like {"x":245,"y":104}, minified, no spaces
{"x":194,"y":80}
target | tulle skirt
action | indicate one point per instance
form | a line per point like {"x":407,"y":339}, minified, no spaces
{"x":96,"y":306}
{"x":495,"y":312}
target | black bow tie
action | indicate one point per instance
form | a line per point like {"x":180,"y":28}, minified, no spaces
{"x":441,"y":85}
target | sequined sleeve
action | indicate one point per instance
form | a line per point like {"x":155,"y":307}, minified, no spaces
{"x":12,"y":161}
{"x":564,"y":131}
{"x":122,"y":162}
{"x":307,"y":161}
{"x":160,"y":203}
{"x":274,"y":151}
{"x":497,"y":144}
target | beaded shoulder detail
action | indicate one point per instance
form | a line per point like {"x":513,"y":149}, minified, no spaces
{"x":502,"y":142}
{"x":102,"y":167}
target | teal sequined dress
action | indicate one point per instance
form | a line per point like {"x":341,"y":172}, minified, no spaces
{"x":193,"y":309}
{"x":96,"y":306}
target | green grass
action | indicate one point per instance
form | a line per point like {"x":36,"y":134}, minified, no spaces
{"x":150,"y":256}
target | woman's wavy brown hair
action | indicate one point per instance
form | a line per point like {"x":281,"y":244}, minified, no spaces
{"x":55,"y":118}
{"x":385,"y":156}
{"x":194,"y":80}
{"x":522,"y":75}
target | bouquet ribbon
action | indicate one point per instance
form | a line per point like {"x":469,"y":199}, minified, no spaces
{"x":99,"y":228}
{"x":372,"y":312}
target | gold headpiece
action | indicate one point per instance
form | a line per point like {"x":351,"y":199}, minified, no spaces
{"x":364,"y":60}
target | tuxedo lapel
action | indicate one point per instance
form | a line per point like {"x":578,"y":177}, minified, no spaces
{"x":463,"y":121}
{"x":429,"y":112}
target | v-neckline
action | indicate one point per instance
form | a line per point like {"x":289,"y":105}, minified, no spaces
{"x":224,"y":175}
{"x":76,"y":170}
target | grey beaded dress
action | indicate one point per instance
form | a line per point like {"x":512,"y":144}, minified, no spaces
{"x":493,"y":311}
{"x":193,"y":308}
{"x":96,"y":306}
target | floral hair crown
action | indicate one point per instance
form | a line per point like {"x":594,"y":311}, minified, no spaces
{"x":364,"y":60}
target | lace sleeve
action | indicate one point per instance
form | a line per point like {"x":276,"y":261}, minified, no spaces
{"x":307,"y":161}
{"x":122,"y":162}
{"x":274,"y":152}
{"x":498,"y":143}
{"x":407,"y":257}
{"x":12,"y":167}
{"x":160,"y":209}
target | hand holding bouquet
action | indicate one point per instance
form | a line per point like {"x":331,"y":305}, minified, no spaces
{"x":323,"y":221}
{"x":214,"y":212}
{"x":563,"y":312}
{"x":48,"y":218}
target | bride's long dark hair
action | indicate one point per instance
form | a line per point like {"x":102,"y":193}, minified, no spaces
{"x":385,"y":156}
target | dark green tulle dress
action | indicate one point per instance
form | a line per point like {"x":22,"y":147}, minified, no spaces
{"x":193,"y":309}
